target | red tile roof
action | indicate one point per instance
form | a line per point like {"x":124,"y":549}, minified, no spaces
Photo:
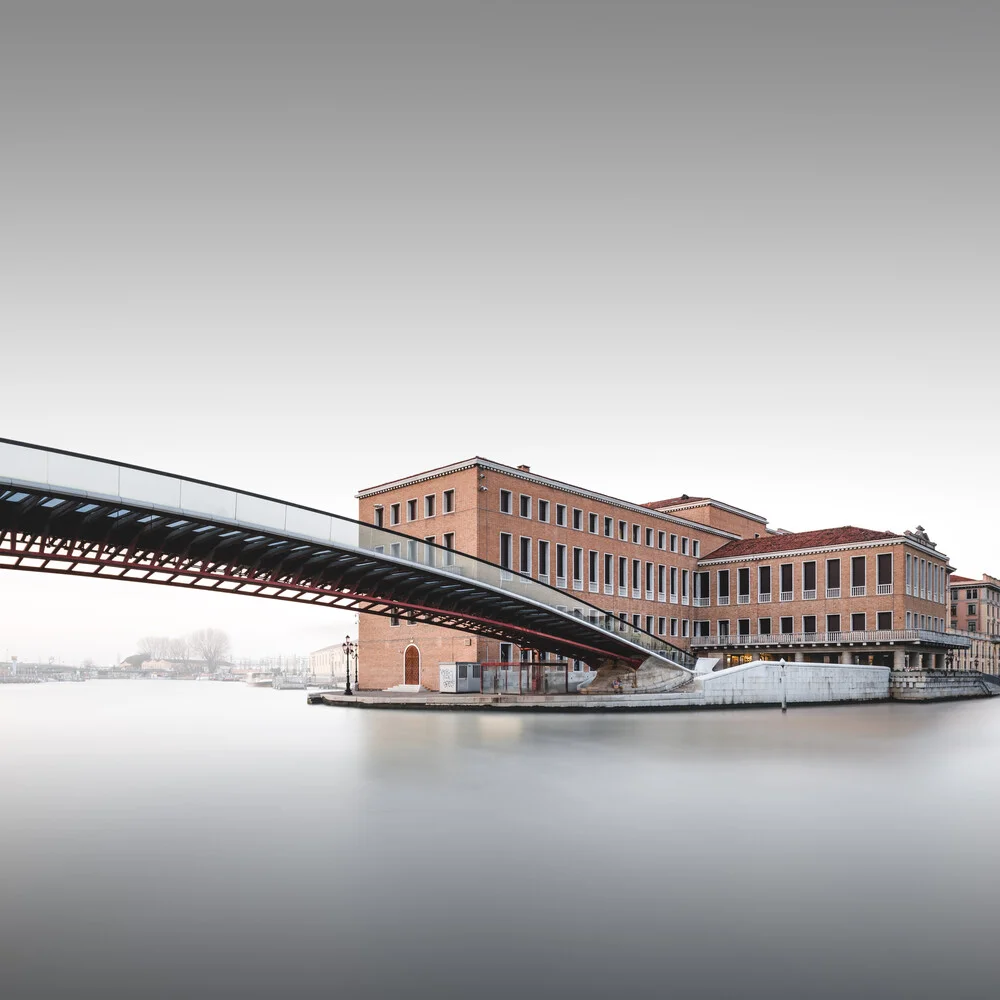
{"x":963,"y":579}
{"x":846,"y":535}
{"x":674,"y":501}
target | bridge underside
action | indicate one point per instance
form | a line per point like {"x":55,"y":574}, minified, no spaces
{"x":47,"y":530}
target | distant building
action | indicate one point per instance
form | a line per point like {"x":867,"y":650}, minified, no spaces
{"x":975,"y":612}
{"x":327,"y":664}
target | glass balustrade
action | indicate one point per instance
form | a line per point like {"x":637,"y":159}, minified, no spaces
{"x":101,"y":479}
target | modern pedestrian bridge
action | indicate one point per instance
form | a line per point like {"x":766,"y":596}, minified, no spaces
{"x":61,"y":512}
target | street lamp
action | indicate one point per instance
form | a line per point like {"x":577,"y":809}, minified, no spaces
{"x":349,"y":649}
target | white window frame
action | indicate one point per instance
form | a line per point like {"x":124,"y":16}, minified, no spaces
{"x":521,"y":506}
{"x":509,"y":497}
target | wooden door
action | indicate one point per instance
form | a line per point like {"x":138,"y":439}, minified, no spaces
{"x":411,"y":665}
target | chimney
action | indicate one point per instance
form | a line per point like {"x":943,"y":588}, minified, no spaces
{"x":524,"y":468}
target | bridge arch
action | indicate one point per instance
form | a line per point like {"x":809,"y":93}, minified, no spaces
{"x":66,"y":513}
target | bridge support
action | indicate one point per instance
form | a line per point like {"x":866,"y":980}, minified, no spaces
{"x":652,"y":676}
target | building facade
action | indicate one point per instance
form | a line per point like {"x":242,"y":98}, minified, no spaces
{"x":707,"y":576}
{"x":328,"y":664}
{"x":975,"y":613}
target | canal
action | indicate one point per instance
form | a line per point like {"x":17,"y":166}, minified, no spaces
{"x":163,"y":839}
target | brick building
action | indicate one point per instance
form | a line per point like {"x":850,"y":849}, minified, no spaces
{"x":705,"y":575}
{"x":975,"y":613}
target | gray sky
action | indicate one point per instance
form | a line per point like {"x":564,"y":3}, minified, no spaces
{"x":747,"y":249}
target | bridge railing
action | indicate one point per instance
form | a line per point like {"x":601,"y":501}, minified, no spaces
{"x":180,"y":496}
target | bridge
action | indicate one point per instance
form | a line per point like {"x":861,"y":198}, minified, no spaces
{"x":72,"y":514}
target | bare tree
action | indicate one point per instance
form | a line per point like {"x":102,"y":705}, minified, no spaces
{"x":156,"y":647}
{"x":179,"y":649}
{"x":211,"y":644}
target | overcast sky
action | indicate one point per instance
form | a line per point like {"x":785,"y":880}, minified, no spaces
{"x":748,"y":249}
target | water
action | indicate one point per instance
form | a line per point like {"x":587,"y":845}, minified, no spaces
{"x":210,"y":840}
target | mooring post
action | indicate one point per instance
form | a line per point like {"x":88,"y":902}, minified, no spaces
{"x":784,"y":696}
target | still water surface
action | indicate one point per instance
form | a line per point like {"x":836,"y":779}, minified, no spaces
{"x":212,"y":840}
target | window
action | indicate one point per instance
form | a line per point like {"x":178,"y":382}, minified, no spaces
{"x":622,"y":576}
{"x":505,"y":547}
{"x":673,"y":543}
{"x":636,"y":571}
{"x":833,"y":623}
{"x":592,"y":523}
{"x":394,"y":619}
{"x":609,"y":573}
{"x":883,"y":570}
{"x":394,"y":514}
{"x":636,"y":621}
{"x":969,"y":594}
{"x":972,"y":624}
{"x":808,"y":624}
{"x":858,"y":576}
{"x":884,"y":621}
{"x":809,"y":581}
{"x":592,"y":569}
{"x":833,"y":580}
{"x":623,"y":531}
{"x":411,"y":510}
{"x":525,"y":508}
{"x":543,"y":511}
{"x":724,"y":626}
{"x":722,"y":597}
{"x":673,"y":627}
{"x":636,"y":534}
{"x":763,"y":626}
{"x":743,"y":585}
{"x":448,"y":501}
{"x":505,"y":502}
{"x":695,"y":548}
{"x":661,"y":539}
{"x":909,"y":575}
{"x":577,"y":519}
{"x":394,"y":549}
{"x":743,"y":626}
{"x":787,"y":589}
{"x":858,"y":621}
{"x":506,"y":652}
{"x":684,"y":586}
{"x":661,"y":626}
{"x":649,"y":537}
{"x":701,"y":628}
{"x":609,"y":527}
{"x":763,"y":584}
{"x":684,"y":546}
{"x":561,"y":515}
{"x":907,"y":619}
{"x":525,"y":556}
{"x":448,"y":541}
{"x":661,"y":581}
{"x":972,"y":609}
{"x":560,"y":565}
{"x":543,"y":559}
{"x":379,"y":514}
{"x":701,"y":594}
{"x":787,"y":625}
{"x":578,"y":568}
{"x":430,"y":501}
{"x":686,"y":628}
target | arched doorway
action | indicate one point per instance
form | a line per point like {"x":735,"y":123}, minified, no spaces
{"x":411,"y":665}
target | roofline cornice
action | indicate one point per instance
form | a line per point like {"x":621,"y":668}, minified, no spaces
{"x":709,"y":502}
{"x":819,"y":550}
{"x":554,"y":484}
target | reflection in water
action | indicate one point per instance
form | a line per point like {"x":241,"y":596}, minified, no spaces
{"x":210,"y":840}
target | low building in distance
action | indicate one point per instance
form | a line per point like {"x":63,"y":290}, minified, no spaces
{"x":328,"y":664}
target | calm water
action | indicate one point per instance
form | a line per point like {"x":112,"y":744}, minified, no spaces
{"x":210,"y":840}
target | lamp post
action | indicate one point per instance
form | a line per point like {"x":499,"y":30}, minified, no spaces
{"x":349,"y":649}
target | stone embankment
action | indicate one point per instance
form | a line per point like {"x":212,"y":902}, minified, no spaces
{"x":942,"y":685}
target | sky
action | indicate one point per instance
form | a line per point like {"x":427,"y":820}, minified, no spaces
{"x":744,"y":249}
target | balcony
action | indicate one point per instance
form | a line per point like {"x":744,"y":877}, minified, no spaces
{"x":702,"y":602}
{"x":832,"y":592}
{"x":743,"y":599}
{"x":762,"y":598}
{"x":883,"y":588}
{"x":867,"y":637}
{"x":809,"y":595}
{"x":787,"y":595}
{"x":722,"y":600}
{"x":858,"y":591}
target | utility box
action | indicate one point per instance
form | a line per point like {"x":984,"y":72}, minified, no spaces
{"x":460,"y":678}
{"x":447,"y":675}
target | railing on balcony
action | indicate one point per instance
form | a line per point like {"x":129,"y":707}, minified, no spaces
{"x":762,"y":598}
{"x":787,"y":595}
{"x":858,"y":591}
{"x":722,"y":600}
{"x":833,"y":638}
{"x":743,"y":599}
{"x":832,"y":592}
{"x":809,"y":595}
{"x":884,"y":588}
{"x":702,"y":602}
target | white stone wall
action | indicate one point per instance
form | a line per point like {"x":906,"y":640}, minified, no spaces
{"x":760,"y":683}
